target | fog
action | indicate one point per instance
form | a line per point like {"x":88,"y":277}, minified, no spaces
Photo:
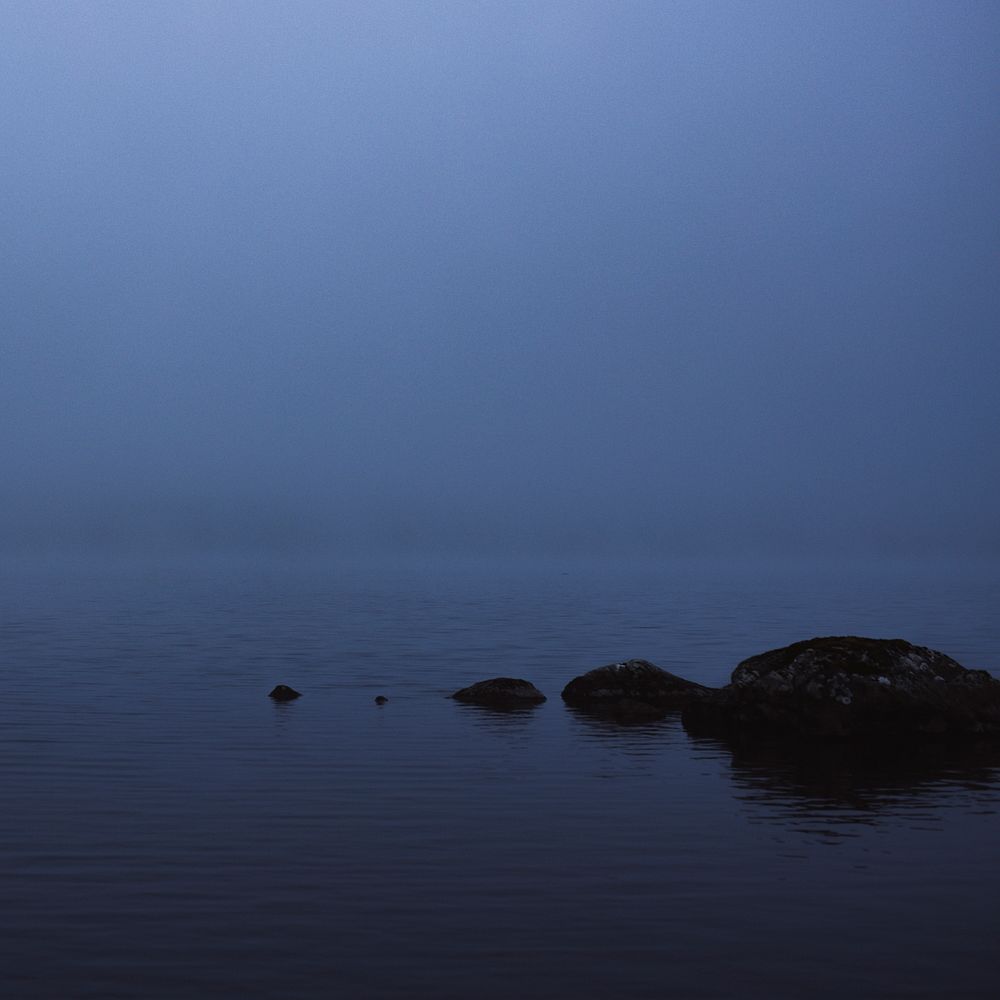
{"x":544,"y":277}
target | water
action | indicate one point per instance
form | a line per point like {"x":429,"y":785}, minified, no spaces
{"x":170,"y":832}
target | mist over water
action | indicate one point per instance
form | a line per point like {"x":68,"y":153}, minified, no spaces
{"x":562,"y":278}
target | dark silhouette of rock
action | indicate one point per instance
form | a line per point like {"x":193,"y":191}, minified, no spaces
{"x":284,"y":693}
{"x":850,"y":687}
{"x":634,"y":689}
{"x":380,"y":699}
{"x":501,"y":692}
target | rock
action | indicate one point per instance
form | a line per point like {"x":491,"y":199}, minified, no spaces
{"x":633,"y":688}
{"x":847,"y":687}
{"x":284,"y":693}
{"x":502,"y":692}
{"x":380,"y":699}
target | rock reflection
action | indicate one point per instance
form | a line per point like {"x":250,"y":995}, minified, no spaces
{"x":839,"y":785}
{"x":607,"y":724}
{"x":624,"y":747}
{"x":504,"y":717}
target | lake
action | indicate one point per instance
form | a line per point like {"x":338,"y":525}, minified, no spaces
{"x":169,"y":831}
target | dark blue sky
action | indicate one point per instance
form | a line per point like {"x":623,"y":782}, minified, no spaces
{"x":668,"y":277}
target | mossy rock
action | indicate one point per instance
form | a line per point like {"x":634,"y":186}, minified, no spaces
{"x":501,"y":692}
{"x":628,"y":684}
{"x":847,"y":687}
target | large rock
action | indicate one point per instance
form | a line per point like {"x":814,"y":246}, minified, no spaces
{"x":846,"y":687}
{"x":633,"y":687}
{"x":501,"y":692}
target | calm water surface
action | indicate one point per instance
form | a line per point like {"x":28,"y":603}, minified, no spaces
{"x":170,"y":832}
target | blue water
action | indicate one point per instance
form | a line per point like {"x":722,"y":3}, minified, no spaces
{"x":168,"y":831}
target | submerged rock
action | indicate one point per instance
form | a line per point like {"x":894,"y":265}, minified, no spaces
{"x":284,"y":693}
{"x":633,"y":687}
{"x":501,"y":692}
{"x":850,"y":686}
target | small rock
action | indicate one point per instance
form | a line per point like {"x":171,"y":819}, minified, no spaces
{"x":284,"y":693}
{"x":380,"y":699}
{"x":503,"y":692}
